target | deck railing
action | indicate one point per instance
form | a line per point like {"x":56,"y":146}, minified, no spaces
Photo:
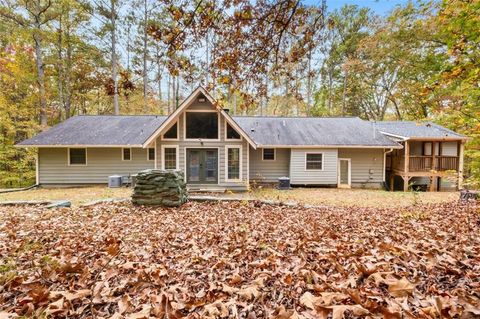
{"x":427,"y":163}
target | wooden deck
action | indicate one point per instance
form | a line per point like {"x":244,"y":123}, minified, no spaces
{"x":435,"y":165}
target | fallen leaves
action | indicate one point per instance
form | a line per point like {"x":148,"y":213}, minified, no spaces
{"x":239,"y":260}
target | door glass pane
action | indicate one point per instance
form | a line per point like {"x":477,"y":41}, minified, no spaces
{"x":211,"y":166}
{"x":344,"y":172}
{"x":233,"y":163}
{"x":194,"y":166}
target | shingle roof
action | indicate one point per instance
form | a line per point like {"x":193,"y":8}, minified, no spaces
{"x":410,"y":129}
{"x":106,"y":130}
{"x":305,"y":131}
{"x":99,"y":130}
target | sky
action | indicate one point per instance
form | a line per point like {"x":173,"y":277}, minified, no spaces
{"x":380,"y":7}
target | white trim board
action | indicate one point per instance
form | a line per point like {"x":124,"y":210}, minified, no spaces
{"x":201,"y":139}
{"x":274,"y":154}
{"x":187,"y":102}
{"x":177,"y":155}
{"x":199,"y":147}
{"x":240,"y":175}
{"x":314,"y":170}
{"x":68,"y":156}
{"x":349,"y":160}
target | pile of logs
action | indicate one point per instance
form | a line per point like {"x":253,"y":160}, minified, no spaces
{"x":159,"y":187}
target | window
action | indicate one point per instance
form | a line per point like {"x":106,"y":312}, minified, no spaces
{"x":126,"y":154}
{"x":170,"y":158}
{"x":268,"y":154}
{"x":314,"y":161}
{"x":77,"y":156}
{"x":233,"y":163}
{"x":231,"y":133}
{"x":172,"y":133}
{"x":201,"y":125}
{"x":151,"y":154}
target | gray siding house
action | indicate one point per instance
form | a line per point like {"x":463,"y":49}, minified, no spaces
{"x":218,"y":151}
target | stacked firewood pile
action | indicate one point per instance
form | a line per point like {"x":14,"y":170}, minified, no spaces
{"x":159,"y":187}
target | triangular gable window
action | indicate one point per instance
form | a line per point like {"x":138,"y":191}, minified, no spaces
{"x":231,"y":133}
{"x":172,"y":133}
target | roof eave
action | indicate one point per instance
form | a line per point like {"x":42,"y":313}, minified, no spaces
{"x":398,"y":146}
{"x":77,"y":145}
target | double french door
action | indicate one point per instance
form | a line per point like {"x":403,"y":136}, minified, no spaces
{"x":202,"y":165}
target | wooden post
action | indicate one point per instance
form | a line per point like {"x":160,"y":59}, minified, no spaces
{"x":460,"y":164}
{"x":434,"y":164}
{"x":433,"y":183}
{"x":406,"y":181}
{"x":407,"y":157}
{"x":392,"y":182}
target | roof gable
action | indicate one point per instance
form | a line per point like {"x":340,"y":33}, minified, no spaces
{"x":189,"y":101}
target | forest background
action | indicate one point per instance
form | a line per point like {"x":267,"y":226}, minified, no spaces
{"x":419,"y":61}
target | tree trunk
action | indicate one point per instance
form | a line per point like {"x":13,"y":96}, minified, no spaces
{"x":113,"y":14}
{"x":60,"y":68}
{"x":40,"y":77}
{"x":177,"y":97}
{"x":344,"y":94}
{"x":68,"y":63}
{"x":145,"y":55}
{"x":168,"y":92}
{"x":207,"y":57}
{"x":309,"y":83}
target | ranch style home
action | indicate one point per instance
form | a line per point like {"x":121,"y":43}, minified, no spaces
{"x":218,"y":151}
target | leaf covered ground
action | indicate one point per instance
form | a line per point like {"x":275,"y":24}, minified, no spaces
{"x":240,"y":260}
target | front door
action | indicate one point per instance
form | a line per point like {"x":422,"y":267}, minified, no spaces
{"x":202,"y":165}
{"x":344,"y":173}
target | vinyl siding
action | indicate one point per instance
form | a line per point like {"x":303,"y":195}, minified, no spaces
{"x":300,"y":176}
{"x":220,"y":145}
{"x":367,"y":165}
{"x":269,"y":171}
{"x":101,"y":163}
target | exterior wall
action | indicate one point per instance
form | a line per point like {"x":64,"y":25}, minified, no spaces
{"x":269,"y":171}
{"x":183,"y":145}
{"x":367,"y":166}
{"x":53,"y":165}
{"x":300,"y":176}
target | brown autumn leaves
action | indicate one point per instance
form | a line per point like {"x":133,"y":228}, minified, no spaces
{"x":240,"y":260}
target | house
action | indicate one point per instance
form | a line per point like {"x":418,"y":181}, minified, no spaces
{"x":220,"y":151}
{"x":431,"y":155}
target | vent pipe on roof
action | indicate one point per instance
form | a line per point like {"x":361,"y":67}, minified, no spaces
{"x":284,"y":123}
{"x":374,"y":130}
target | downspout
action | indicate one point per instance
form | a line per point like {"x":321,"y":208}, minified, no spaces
{"x":385,"y":163}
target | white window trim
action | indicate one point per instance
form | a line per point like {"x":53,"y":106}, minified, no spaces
{"x":202,"y":147}
{"x":231,"y":139}
{"x":68,"y":156}
{"x":240,"y":177}
{"x":163,"y":147}
{"x":169,"y":127}
{"x":315,"y":170}
{"x":201,"y":139}
{"x":154,"y":153}
{"x":274,"y":154}
{"x":349,"y":160}
{"x":123,"y":157}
